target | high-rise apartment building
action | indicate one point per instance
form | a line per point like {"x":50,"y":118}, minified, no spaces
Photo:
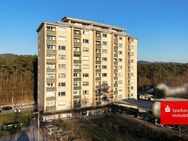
{"x":83,"y":63}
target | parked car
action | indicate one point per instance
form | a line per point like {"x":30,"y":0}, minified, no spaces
{"x":7,"y":108}
{"x":11,"y":126}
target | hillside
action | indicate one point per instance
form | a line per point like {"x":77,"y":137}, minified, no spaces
{"x":17,"y":78}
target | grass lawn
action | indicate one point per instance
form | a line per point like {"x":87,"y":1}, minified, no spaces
{"x":22,"y":117}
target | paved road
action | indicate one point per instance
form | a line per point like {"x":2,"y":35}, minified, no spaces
{"x":23,"y":107}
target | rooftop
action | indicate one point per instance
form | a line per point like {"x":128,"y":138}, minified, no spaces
{"x":86,"y":22}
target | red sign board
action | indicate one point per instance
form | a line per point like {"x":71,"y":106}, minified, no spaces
{"x":174,"y":112}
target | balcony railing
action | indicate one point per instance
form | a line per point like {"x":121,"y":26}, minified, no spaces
{"x":50,"y":108}
{"x":51,"y":51}
{"x":50,"y":42}
{"x":77,"y":61}
{"x":50,"y":60}
{"x":50,"y":32}
{"x":77,"y":87}
{"x":77,"y":44}
{"x":77,"y":70}
{"x":51,"y":89}
{"x":77,"y":52}
{"x":77,"y":79}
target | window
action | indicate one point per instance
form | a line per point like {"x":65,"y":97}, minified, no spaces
{"x":120,"y":37}
{"x":61,"y":47}
{"x":49,"y":28}
{"x":61,"y":84}
{"x":104,"y":74}
{"x":62,"y":29}
{"x":85,"y":49}
{"x":85,"y":41}
{"x":85,"y":74}
{"x":85,"y":66}
{"x":62,"y":57}
{"x":61,"y":93}
{"x":85,"y":83}
{"x":49,"y":84}
{"x":50,"y":47}
{"x":104,"y":50}
{"x":104,"y":35}
{"x":85,"y":91}
{"x":104,"y":43}
{"x":104,"y":67}
{"x":62,"y":75}
{"x":85,"y":58}
{"x":104,"y":59}
{"x":62,"y":66}
{"x":49,"y":37}
{"x":98,"y":66}
{"x":85,"y":32}
{"x":61,"y":38}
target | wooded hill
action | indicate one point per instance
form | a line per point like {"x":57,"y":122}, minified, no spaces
{"x":151,"y":74}
{"x":18,"y":76}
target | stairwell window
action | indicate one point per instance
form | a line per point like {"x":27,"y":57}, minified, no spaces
{"x":85,"y":41}
{"x":61,"y":93}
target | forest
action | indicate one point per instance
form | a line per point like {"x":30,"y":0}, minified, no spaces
{"x":18,"y":76}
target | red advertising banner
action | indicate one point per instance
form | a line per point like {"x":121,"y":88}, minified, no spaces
{"x":174,"y":112}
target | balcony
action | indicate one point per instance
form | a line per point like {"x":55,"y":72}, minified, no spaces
{"x":51,"y":51}
{"x":51,"y":98}
{"x":115,"y":70}
{"x":50,"y":109}
{"x":115,"y":92}
{"x":98,"y":38}
{"x":98,"y":70}
{"x":77,"y":44}
{"x":115,"y":40}
{"x":77,"y":87}
{"x":115,"y":78}
{"x":50,"y":60}
{"x":50,"y":88}
{"x":77,"y":35}
{"x":77,"y":105}
{"x":98,"y":78}
{"x":77,"y":70}
{"x":115,"y":55}
{"x":98,"y":54}
{"x":77,"y":53}
{"x":116,"y":85}
{"x":98,"y":46}
{"x":50,"y":32}
{"x":76,"y":96}
{"x":51,"y":69}
{"x":77,"y":61}
{"x":77,"y":79}
{"x":98,"y":62}
{"x":50,"y":42}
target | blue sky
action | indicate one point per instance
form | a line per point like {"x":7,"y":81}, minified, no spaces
{"x":160,"y":25}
